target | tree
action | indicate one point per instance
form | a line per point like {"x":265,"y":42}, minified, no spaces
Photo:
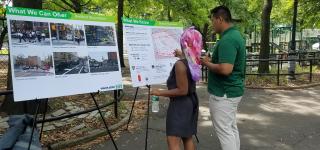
{"x":193,"y":13}
{"x":120,"y":31}
{"x":310,"y":15}
{"x":292,"y":64}
{"x":4,"y":28}
{"x":169,"y":11}
{"x":265,"y":37}
{"x":76,"y":6}
{"x":36,"y":4}
{"x":2,"y":36}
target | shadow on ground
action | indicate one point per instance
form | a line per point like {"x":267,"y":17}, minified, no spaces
{"x":267,"y":120}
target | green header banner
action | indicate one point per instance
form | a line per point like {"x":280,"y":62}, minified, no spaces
{"x":137,"y":21}
{"x":19,"y":11}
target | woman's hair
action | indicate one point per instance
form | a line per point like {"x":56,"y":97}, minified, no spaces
{"x":191,"y":44}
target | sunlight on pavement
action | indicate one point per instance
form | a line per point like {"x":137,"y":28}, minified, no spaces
{"x":259,"y":118}
{"x":294,"y":106}
{"x":253,"y":140}
{"x":204,"y":117}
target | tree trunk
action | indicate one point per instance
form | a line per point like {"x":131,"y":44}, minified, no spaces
{"x":3,"y":35}
{"x":292,"y":64}
{"x":204,"y":36}
{"x":9,"y":106}
{"x":36,"y":4}
{"x":265,"y":37}
{"x":169,"y":12}
{"x":77,"y":6}
{"x":119,"y":33}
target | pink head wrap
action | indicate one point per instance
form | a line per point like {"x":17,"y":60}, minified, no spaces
{"x":191,"y":43}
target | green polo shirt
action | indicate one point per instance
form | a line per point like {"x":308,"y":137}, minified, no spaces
{"x":230,"y":49}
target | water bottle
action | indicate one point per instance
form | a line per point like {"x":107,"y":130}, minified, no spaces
{"x":155,"y":104}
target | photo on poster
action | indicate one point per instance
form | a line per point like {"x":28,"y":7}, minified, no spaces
{"x":67,"y":34}
{"x":32,"y":64}
{"x":100,"y":35}
{"x":165,"y":41}
{"x":103,"y":62}
{"x":70,"y":63}
{"x":29,"y":33}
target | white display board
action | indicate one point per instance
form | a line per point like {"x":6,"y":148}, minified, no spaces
{"x":60,"y":53}
{"x":150,"y":45}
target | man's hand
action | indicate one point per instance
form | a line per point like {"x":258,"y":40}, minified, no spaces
{"x":222,"y":69}
{"x":205,"y":60}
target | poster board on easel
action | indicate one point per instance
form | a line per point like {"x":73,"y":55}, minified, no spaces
{"x":61,"y":53}
{"x":150,"y":45}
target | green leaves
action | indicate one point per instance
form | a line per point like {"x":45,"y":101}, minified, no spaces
{"x":309,"y":11}
{"x":195,"y":12}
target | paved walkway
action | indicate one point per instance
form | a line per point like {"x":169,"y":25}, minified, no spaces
{"x":267,"y":120}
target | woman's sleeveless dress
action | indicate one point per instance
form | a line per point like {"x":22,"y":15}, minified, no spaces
{"x":182,"y":114}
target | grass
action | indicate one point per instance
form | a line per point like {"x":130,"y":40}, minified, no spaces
{"x":264,"y":81}
{"x":300,"y":69}
{"x":271,"y":81}
{"x":284,"y":70}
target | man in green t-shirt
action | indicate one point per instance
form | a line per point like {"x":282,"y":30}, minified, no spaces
{"x":226,"y":78}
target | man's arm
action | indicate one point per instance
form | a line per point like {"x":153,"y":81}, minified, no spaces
{"x":222,"y":69}
{"x":226,"y":58}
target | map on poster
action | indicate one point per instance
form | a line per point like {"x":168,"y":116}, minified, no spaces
{"x":60,"y":53}
{"x":150,"y":45}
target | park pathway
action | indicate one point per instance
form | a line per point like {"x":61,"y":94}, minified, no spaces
{"x":267,"y":120}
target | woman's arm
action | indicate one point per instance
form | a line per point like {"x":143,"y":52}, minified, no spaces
{"x":182,"y":83}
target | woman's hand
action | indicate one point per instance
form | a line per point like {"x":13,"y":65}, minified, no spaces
{"x":178,"y":53}
{"x":156,"y":92}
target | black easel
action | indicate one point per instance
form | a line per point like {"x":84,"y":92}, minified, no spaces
{"x":45,"y":111}
{"x":104,"y":121}
{"x":134,"y":101}
{"x":148,"y":110}
{"x":147,"y":129}
{"x":44,"y":117}
{"x":34,"y":124}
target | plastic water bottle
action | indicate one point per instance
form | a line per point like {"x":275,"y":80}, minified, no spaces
{"x":155,"y":104}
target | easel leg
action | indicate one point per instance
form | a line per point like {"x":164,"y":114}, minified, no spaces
{"x":34,"y":123}
{"x":134,"y":101}
{"x":44,"y":116}
{"x":148,"y":109}
{"x":25,"y":108}
{"x":104,"y":122}
{"x":197,"y":138}
{"x":115,"y":96}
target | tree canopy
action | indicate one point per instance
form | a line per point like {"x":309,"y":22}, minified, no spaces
{"x":195,"y":12}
